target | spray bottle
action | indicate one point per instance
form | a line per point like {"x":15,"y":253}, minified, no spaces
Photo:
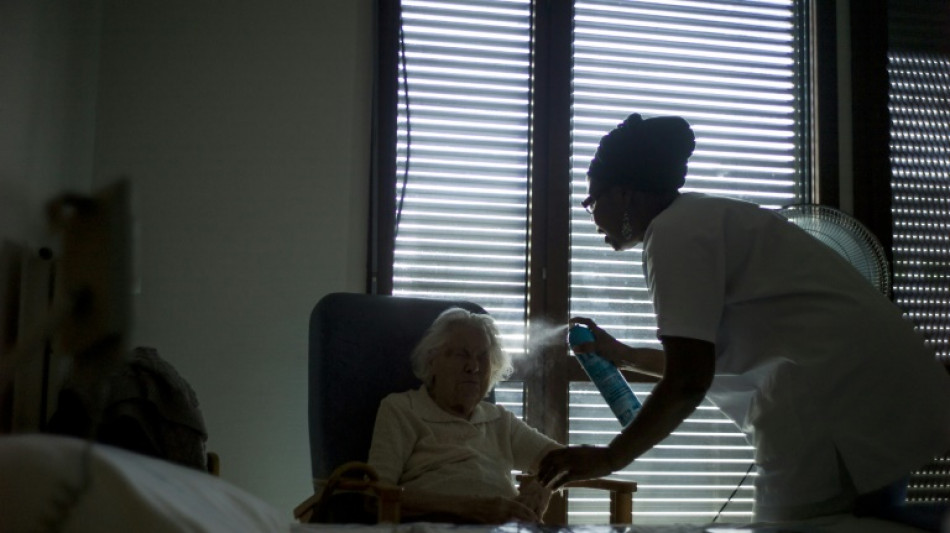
{"x":606,"y":376}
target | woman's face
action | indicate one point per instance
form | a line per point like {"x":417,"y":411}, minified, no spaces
{"x":460,"y":371}
{"x":607,"y":205}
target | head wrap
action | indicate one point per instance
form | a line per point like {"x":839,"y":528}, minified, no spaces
{"x":647,"y":155}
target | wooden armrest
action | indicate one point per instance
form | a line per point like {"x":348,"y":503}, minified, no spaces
{"x":621,"y":495}
{"x":304,"y":511}
{"x":612,"y":485}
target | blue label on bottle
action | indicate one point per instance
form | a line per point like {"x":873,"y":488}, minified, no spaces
{"x":606,"y":377}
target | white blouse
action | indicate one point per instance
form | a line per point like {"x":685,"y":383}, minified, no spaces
{"x":418,"y":445}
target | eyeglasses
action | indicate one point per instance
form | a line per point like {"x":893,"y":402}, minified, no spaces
{"x":589,"y":204}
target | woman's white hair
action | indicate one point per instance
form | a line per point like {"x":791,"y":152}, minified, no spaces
{"x":441,"y":330}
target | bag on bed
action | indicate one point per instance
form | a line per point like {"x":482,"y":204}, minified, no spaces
{"x":147,"y":407}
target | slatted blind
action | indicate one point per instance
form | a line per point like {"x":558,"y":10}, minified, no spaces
{"x":729,"y":68}
{"x":686,"y":478}
{"x":920,"y":162}
{"x":919,"y":103}
{"x":463,"y":226}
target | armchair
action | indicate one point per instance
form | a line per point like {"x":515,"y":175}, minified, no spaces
{"x":359,"y":353}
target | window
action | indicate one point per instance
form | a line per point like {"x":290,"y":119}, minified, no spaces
{"x":500,"y":106}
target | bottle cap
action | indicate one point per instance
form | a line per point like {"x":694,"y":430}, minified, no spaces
{"x":579,"y":334}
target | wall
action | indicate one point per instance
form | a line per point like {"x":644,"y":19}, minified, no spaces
{"x":244,"y":127}
{"x":48,"y":74}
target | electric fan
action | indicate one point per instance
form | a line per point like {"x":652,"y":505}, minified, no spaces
{"x":845,"y":235}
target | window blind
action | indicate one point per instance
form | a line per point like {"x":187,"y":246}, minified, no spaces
{"x":463,"y":225}
{"x":686,"y":478}
{"x":918,"y":96}
{"x":920,"y":164}
{"x":729,"y":68}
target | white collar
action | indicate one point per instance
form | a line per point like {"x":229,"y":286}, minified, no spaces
{"x":430,"y":411}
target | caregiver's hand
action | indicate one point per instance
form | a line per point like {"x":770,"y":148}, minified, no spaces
{"x":604,"y":343}
{"x":578,"y":462}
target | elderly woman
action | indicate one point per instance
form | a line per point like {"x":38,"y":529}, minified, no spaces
{"x":452,"y":452}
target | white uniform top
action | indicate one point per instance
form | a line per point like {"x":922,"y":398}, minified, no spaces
{"x":812,"y":361}
{"x":419,"y":446}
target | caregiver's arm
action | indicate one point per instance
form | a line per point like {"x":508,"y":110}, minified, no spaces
{"x":690,"y":366}
{"x":689,"y":370}
{"x":649,"y":361}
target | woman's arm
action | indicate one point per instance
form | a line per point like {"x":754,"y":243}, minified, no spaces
{"x":649,"y":361}
{"x":690,"y":366}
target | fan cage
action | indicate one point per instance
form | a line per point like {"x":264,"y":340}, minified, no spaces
{"x":844,"y":234}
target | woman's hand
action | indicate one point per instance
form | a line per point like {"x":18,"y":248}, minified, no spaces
{"x":648,"y":361}
{"x":604,"y":343}
{"x":569,"y":464}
